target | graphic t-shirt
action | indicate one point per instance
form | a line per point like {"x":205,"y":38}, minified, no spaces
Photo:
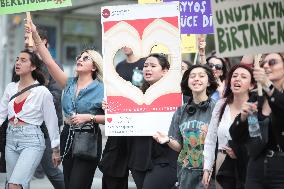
{"x":190,"y":131}
{"x":131,"y":71}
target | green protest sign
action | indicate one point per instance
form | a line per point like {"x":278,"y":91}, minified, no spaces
{"x":18,"y":6}
{"x":248,"y":26}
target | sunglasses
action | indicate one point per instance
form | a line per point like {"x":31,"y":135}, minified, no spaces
{"x":270,"y":62}
{"x":85,"y":58}
{"x":216,"y":66}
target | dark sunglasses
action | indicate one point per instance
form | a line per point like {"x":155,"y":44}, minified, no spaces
{"x":217,"y":66}
{"x":85,"y":58}
{"x":270,"y":62}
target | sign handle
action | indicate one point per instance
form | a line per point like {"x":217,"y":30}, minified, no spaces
{"x":257,"y":59}
{"x":30,"y":37}
{"x":202,"y":50}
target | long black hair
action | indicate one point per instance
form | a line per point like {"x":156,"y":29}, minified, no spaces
{"x":164,"y":63}
{"x":228,"y":94}
{"x":211,"y":79}
{"x":37,"y":73}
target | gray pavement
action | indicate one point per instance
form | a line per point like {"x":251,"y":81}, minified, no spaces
{"x":45,"y":184}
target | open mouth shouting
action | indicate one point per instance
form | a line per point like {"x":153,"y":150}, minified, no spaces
{"x":237,"y":86}
{"x":147,"y":75}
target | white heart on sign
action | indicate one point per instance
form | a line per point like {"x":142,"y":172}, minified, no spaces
{"x":123,"y":34}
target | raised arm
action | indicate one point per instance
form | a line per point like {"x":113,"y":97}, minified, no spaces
{"x":58,"y":75}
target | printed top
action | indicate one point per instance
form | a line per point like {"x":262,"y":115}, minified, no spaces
{"x":189,"y":127}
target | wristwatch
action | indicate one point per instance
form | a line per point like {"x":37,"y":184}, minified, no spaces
{"x":168,"y":141}
{"x":170,"y":138}
{"x":93,"y":118}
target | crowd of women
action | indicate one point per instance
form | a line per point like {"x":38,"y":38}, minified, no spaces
{"x":223,"y":136}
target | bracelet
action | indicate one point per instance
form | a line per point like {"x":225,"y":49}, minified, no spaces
{"x":207,"y":170}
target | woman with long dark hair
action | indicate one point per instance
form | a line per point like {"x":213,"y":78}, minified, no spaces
{"x":25,"y":141}
{"x":239,"y":83}
{"x":190,"y":124}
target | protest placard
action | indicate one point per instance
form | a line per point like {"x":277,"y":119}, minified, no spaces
{"x":18,"y":6}
{"x":130,"y":111}
{"x":188,"y":41}
{"x":189,"y":44}
{"x":195,"y":16}
{"x":248,"y":26}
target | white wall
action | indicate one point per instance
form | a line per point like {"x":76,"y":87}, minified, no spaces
{"x":3,"y":52}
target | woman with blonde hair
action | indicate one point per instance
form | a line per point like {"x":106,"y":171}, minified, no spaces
{"x":81,"y":104}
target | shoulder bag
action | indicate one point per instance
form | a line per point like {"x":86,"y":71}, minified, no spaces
{"x":85,"y":142}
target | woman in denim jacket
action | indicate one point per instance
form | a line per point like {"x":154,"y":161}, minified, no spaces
{"x":81,"y":104}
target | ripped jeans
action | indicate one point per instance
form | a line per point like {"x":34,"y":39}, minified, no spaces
{"x":24,"y":149}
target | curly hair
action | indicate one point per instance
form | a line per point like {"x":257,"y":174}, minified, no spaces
{"x":211,"y":79}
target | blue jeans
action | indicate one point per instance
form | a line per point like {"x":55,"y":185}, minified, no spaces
{"x":54,"y":174}
{"x":24,"y":149}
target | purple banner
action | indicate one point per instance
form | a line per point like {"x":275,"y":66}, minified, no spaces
{"x":195,"y":17}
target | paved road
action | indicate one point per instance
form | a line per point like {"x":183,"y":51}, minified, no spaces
{"x":45,"y":184}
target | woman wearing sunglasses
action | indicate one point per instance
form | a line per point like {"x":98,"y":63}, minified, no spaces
{"x":220,"y":68}
{"x":240,"y":81}
{"x":190,"y":124}
{"x":81,"y":103}
{"x":266,"y":146}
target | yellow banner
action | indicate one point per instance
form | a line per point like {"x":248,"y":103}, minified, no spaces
{"x":189,"y":44}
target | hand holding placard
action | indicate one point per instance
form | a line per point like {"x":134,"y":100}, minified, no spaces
{"x":31,"y":43}
{"x":257,"y":58}
{"x":202,"y":45}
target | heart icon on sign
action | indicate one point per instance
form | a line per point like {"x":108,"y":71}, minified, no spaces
{"x":109,"y":119}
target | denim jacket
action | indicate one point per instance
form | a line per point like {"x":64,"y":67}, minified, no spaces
{"x":88,"y":101}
